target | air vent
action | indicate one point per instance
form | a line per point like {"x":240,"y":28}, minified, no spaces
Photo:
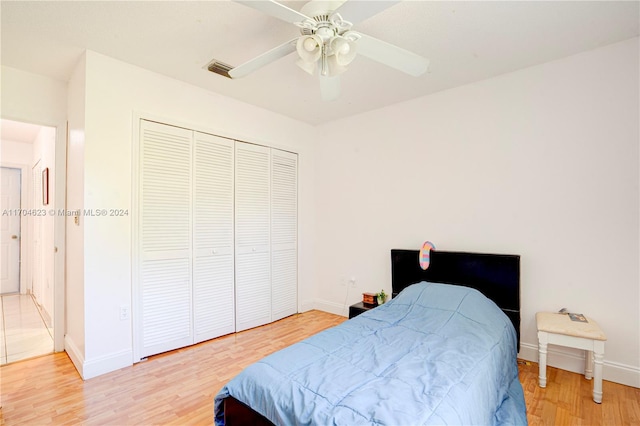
{"x":219,"y":68}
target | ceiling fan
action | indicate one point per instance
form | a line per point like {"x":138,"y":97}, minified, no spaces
{"x":327,"y":44}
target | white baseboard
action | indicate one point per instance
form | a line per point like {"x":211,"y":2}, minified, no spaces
{"x":108,"y":363}
{"x":74,"y":354}
{"x":95,"y":367}
{"x":306,"y":306}
{"x":332,"y":307}
{"x":573,"y":360}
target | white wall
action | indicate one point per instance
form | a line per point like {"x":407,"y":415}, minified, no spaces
{"x":13,"y":152}
{"x":41,"y":100}
{"x":542,"y":162}
{"x":116,"y":94}
{"x":44,"y":151}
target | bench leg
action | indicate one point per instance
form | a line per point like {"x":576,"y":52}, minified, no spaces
{"x":598,"y":351}
{"x":588,"y":365}
{"x":542,"y":358}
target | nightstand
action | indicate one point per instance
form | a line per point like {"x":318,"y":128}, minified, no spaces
{"x":558,"y":329}
{"x":358,"y":308}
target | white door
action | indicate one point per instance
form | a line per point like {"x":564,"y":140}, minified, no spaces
{"x":213,"y":280}
{"x":165,"y":238}
{"x":252,"y":213}
{"x":284,"y":233}
{"x":10,"y":257}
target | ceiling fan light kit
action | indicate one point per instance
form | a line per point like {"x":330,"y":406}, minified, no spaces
{"x":327,"y":45}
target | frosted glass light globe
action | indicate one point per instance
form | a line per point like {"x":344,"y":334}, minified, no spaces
{"x":310,"y":44}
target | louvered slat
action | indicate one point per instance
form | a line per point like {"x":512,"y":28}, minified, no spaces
{"x":252,"y":195}
{"x":165,"y":188}
{"x":165,"y":238}
{"x":214,"y":309}
{"x":213,"y":274}
{"x":284,"y":229}
{"x":284,"y":284}
{"x":252,"y":218}
{"x":253,"y":290}
{"x":166,"y":305}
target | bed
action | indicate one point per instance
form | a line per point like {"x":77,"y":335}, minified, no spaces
{"x":441,"y":351}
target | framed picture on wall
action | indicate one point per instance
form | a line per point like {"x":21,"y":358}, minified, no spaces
{"x":45,"y":186}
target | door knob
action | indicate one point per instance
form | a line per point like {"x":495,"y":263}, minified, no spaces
{"x":14,"y":237}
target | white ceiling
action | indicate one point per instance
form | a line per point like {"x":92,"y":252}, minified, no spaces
{"x":18,"y":132}
{"x":465,"y":41}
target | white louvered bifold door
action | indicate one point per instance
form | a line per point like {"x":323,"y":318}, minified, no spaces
{"x":252,"y":211}
{"x":284,"y":232}
{"x":165,"y":238}
{"x":213,"y":280}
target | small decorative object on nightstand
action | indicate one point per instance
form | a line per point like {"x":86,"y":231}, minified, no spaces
{"x":382,"y":297}
{"x":580,"y":333}
{"x":369,"y":299}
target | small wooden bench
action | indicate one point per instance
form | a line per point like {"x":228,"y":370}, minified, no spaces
{"x":559,"y":329}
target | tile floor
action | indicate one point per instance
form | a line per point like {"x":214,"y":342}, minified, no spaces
{"x":23,"y":332}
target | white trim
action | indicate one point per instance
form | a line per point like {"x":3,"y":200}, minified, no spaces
{"x":332,"y":307}
{"x":142,"y":115}
{"x":136,"y":326}
{"x":92,"y":368}
{"x":106,"y":364}
{"x":570,"y":360}
{"x":74,"y":354}
{"x":305,"y":306}
{"x":60,"y":237}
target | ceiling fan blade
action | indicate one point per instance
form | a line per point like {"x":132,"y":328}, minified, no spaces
{"x":358,"y":10}
{"x":264,"y":59}
{"x":275,"y":9}
{"x":392,"y":56}
{"x":329,"y":87}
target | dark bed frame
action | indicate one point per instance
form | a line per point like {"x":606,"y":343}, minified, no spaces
{"x":497,"y":276}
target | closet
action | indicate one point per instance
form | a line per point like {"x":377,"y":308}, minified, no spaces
{"x":216,"y":240}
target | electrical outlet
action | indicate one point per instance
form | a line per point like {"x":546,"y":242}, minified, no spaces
{"x":352,"y":282}
{"x":124,"y":312}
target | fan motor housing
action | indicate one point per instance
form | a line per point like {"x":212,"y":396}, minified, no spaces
{"x":320,"y":8}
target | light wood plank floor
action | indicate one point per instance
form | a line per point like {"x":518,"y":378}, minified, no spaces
{"x":178,"y":387}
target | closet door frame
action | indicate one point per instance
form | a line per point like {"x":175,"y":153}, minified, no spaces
{"x":136,"y":297}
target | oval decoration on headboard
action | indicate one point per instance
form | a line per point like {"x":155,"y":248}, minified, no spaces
{"x":424,"y":256}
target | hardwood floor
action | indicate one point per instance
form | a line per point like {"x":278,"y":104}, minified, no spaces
{"x":568,"y":399}
{"x":178,"y":387}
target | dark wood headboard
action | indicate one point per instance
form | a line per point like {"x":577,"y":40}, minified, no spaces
{"x":497,"y":276}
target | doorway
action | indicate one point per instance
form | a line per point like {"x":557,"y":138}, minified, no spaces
{"x":10,"y":183}
{"x":28,"y":292}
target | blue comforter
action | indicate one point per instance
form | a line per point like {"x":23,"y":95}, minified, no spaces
{"x":435,"y":354}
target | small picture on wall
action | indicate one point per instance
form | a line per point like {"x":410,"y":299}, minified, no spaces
{"x":45,"y":186}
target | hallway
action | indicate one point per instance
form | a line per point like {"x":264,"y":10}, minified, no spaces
{"x":23,"y":332}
